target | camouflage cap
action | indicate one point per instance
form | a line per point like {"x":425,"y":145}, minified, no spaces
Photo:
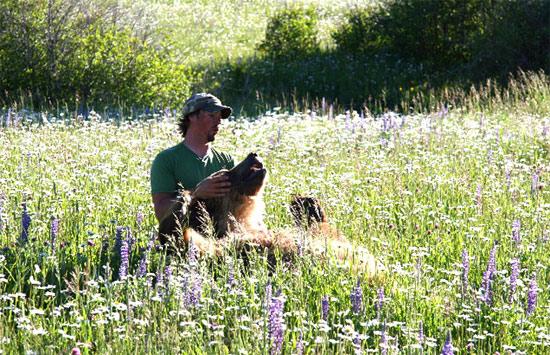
{"x":206,"y":102}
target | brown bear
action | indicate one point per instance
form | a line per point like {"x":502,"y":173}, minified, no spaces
{"x":236,"y":220}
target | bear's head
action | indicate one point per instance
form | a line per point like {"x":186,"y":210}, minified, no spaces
{"x":241,"y":208}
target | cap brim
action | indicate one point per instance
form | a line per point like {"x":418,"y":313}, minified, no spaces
{"x":225,"y":110}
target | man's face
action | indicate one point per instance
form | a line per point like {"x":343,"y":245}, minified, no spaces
{"x":209,"y":123}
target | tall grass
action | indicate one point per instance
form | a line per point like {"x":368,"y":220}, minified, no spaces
{"x":419,"y":191}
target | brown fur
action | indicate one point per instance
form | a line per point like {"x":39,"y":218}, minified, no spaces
{"x":236,"y":220}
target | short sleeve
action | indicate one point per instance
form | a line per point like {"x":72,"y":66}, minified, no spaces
{"x":162,"y":176}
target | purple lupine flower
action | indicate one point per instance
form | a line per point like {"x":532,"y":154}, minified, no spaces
{"x":383,"y":341}
{"x":479,"y":197}
{"x":118,"y":239}
{"x":124,"y":260}
{"x":379,"y":302}
{"x":276,"y":323}
{"x":357,"y":344}
{"x":268,"y":293}
{"x":300,"y":344}
{"x":448,"y":347}
{"x":507,"y":173}
{"x":192,"y":253}
{"x":192,"y":287}
{"x":465,"y":270}
{"x":356,"y":297}
{"x":2,"y":199}
{"x":230,"y":274}
{"x":142,"y":268}
{"x":167,"y":275}
{"x":25,"y":224}
{"x":516,"y":226}
{"x":324,"y":307}
{"x":54,"y":231}
{"x":421,"y":337}
{"x":532,"y":295}
{"x":130,"y":239}
{"x":534,"y":182}
{"x":159,"y":277}
{"x":488,"y":276}
{"x":139,"y":218}
{"x":513,"y":278}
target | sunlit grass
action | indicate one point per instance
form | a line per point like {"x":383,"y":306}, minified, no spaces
{"x":416,"y":190}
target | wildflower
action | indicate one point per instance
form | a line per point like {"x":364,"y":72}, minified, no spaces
{"x":124,"y":260}
{"x":167,"y":275}
{"x":192,"y":252}
{"x":479,"y":198}
{"x":516,"y":225}
{"x":384,"y":340}
{"x":276,"y":323}
{"x":300,"y":344}
{"x":268,"y":290}
{"x":324,"y":307}
{"x":118,"y":239}
{"x":142,"y":269}
{"x":513,"y":278}
{"x":357,"y":343}
{"x":507,"y":173}
{"x":534,"y":183}
{"x":75,"y":351}
{"x":54,"y":231}
{"x":379,"y":302}
{"x":488,"y":276}
{"x":421,"y":337}
{"x":25,"y":224}
{"x":139,"y":218}
{"x":532,"y":295}
{"x":230,"y":274}
{"x":2,"y":198}
{"x":465,"y":270}
{"x":448,"y":347}
{"x":356,"y":298}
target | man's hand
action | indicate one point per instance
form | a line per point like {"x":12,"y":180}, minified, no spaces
{"x":212,"y":186}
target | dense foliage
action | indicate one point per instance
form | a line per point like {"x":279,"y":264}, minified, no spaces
{"x":491,"y":37}
{"x":87,"y":53}
{"x":291,"y":33}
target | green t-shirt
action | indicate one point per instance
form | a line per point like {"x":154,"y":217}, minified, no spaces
{"x":180,"y":166}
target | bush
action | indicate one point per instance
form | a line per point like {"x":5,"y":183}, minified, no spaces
{"x":517,"y":37}
{"x":291,"y":33}
{"x":434,"y":32}
{"x":56,"y":51}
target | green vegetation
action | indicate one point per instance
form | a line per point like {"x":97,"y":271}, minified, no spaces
{"x":80,"y":55}
{"x":431,"y":195}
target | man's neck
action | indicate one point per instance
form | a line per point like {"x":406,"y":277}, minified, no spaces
{"x":199,"y":147}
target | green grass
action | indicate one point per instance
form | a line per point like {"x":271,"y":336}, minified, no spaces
{"x":416,"y":195}
{"x":209,"y":31}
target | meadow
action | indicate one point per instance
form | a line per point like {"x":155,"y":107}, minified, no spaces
{"x":455,"y":203}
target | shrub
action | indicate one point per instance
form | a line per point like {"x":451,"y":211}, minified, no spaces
{"x":291,"y":33}
{"x":56,"y":50}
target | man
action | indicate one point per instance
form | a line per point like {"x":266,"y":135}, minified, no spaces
{"x":190,"y":163}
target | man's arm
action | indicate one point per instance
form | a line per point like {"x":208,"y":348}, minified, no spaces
{"x":162,"y":202}
{"x":212,"y":186}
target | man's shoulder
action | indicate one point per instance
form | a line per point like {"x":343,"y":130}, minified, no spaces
{"x":169,"y":152}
